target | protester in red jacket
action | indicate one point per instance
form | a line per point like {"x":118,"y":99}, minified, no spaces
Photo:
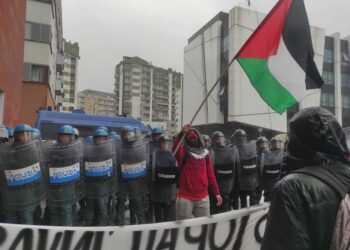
{"x":197,"y":174}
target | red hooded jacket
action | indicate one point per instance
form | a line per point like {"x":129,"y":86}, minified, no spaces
{"x":196,"y":174}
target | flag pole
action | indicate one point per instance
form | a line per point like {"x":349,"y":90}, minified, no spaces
{"x":227,"y":67}
{"x":225,"y":71}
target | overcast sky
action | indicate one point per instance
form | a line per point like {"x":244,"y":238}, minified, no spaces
{"x":157,"y":30}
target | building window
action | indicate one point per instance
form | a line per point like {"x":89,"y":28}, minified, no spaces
{"x":35,"y":73}
{"x":345,"y":80}
{"x":328,"y":77}
{"x":328,"y":56}
{"x":346,"y":101}
{"x":327,"y":100}
{"x":38,"y":32}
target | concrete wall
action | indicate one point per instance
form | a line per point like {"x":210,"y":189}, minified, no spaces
{"x":202,"y":65}
{"x":12,"y":20}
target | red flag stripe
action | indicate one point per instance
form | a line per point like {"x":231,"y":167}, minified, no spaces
{"x":264,"y":42}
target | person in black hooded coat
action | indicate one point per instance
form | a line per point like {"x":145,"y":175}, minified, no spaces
{"x":304,"y":208}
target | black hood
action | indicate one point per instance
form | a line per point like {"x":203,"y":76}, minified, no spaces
{"x":316,"y":136}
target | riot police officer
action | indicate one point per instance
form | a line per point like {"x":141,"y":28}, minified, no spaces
{"x":10,"y":134}
{"x":247,"y":170}
{"x":262,"y":146}
{"x":224,"y":161}
{"x":3,"y":134}
{"x":133,"y":174}
{"x":138,"y":133}
{"x":206,"y":139}
{"x":65,"y":177}
{"x":22,"y":176}
{"x":272,"y":164}
{"x":36,"y":133}
{"x":76,"y":133}
{"x":156,"y":133}
{"x":164,"y":176}
{"x":100,"y":178}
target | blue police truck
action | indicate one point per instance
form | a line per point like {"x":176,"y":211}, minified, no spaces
{"x":49,"y":121}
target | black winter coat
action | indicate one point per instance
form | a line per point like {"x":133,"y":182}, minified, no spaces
{"x":302,"y":213}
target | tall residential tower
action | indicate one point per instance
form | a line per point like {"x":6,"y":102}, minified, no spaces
{"x":147,"y":92}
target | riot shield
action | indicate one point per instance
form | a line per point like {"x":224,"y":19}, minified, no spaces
{"x":248,"y":170}
{"x":164,"y":169}
{"x":66,"y":182}
{"x":22,"y":175}
{"x":272,"y":169}
{"x":224,"y":167}
{"x":100,"y":169}
{"x":165,"y":173}
{"x":133,"y":168}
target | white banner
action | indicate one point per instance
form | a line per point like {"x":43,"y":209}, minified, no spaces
{"x":234,"y":230}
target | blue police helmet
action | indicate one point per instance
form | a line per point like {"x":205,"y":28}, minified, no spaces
{"x":66,"y":129}
{"x":157,"y":130}
{"x":128,"y":129}
{"x":10,"y":132}
{"x":114,"y":135}
{"x":103,"y":127}
{"x":100,"y":132}
{"x":89,"y":139}
{"x":22,"y":128}
{"x":36,"y":132}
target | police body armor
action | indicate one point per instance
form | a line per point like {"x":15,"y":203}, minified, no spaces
{"x":100,"y":169}
{"x":22,"y":175}
{"x":133,"y":168}
{"x":224,"y":160}
{"x":66,"y":181}
{"x":248,"y":170}
{"x":271,"y":172}
{"x":165,"y":173}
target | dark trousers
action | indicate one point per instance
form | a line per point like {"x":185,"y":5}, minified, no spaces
{"x":25,"y":216}
{"x":96,"y":212}
{"x":225,"y":206}
{"x":137,"y":207}
{"x":253,"y":200}
{"x":61,"y":216}
{"x":267,"y":196}
{"x":164,"y":211}
{"x":234,"y":195}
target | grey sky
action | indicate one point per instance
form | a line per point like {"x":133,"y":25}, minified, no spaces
{"x":157,"y":30}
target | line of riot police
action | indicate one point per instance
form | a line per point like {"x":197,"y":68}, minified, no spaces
{"x":91,"y":182}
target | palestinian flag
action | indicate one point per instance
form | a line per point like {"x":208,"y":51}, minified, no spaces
{"x":278,"y":57}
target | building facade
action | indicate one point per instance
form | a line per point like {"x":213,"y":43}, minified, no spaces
{"x":147,"y":92}
{"x":70,"y":73}
{"x":234,"y":103}
{"x":335,"y":94}
{"x":96,"y":102}
{"x":43,"y":58}
{"x":12,"y":20}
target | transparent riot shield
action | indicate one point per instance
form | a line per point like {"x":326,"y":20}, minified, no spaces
{"x":248,"y":169}
{"x":100,"y":169}
{"x":23,"y":179}
{"x":65,"y":171}
{"x":133,"y":168}
{"x":271,"y":172}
